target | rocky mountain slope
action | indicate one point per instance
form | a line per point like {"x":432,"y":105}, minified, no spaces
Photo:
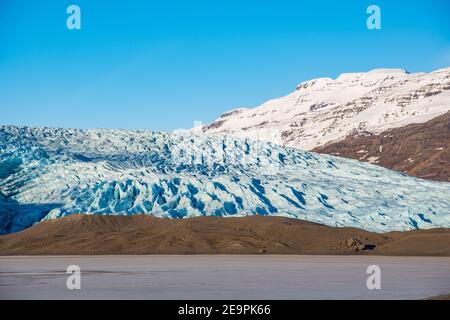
{"x":49,"y":173}
{"x":421,"y":150}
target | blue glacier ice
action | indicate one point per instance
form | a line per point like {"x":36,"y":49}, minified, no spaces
{"x":47,"y":173}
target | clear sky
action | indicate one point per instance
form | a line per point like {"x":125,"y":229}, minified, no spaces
{"x":164,"y":64}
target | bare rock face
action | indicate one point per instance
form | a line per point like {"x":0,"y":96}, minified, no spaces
{"x":421,"y":150}
{"x":355,"y":245}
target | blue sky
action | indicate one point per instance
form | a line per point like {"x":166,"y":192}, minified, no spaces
{"x":164,"y":64}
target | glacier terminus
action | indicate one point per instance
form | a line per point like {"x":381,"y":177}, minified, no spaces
{"x":47,"y":173}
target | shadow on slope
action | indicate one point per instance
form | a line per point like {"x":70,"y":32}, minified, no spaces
{"x":16,"y":216}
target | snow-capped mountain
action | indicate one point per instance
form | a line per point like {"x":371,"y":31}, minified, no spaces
{"x":327,"y":110}
{"x":418,"y":149}
{"x":49,"y":173}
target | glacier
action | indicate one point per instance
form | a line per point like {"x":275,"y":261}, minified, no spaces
{"x":47,"y":173}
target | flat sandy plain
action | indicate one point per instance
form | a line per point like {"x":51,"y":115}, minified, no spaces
{"x":223,"y":277}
